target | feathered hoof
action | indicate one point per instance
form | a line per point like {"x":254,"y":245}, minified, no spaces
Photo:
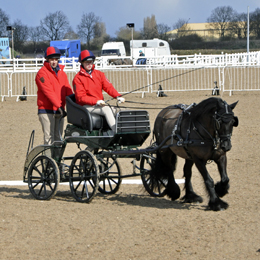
{"x":221,"y":189}
{"x":173,"y":194}
{"x":192,"y":198}
{"x":218,"y":205}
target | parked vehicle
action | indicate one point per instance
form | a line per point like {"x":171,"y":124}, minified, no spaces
{"x":116,"y":50}
{"x":68,"y":48}
{"x":150,"y":48}
{"x":113,"y":49}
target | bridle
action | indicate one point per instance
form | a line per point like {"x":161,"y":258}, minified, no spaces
{"x":219,"y":118}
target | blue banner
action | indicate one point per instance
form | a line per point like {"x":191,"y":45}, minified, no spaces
{"x":4,"y":49}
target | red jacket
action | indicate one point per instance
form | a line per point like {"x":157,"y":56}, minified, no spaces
{"x":88,"y":88}
{"x":52,"y":88}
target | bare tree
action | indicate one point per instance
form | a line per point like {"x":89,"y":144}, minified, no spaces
{"x":181,"y":22}
{"x":255,"y":25}
{"x":86,"y":28}
{"x":70,"y":34}
{"x":100,"y":35}
{"x":21,"y":34}
{"x":149,"y":30}
{"x":220,"y":19}
{"x":35,"y":35}
{"x":55,"y":25}
{"x":162,"y":31}
{"x":238,"y":27}
{"x":125,"y":33}
{"x":182,"y":27}
{"x":4,"y":21}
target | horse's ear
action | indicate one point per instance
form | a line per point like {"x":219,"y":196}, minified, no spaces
{"x":232,"y":106}
{"x":236,"y":121}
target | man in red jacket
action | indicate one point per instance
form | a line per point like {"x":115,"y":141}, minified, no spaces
{"x":53,"y":87}
{"x":88,"y":85}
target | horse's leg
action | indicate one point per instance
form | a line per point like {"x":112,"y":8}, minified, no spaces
{"x":222,"y":186}
{"x":215,"y":203}
{"x":169,"y":159}
{"x":190,"y":195}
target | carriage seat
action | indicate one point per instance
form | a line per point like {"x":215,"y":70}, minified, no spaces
{"x":81,"y":117}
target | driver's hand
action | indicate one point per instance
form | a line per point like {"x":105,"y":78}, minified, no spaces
{"x":101,"y":103}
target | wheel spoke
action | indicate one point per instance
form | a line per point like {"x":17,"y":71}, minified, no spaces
{"x":162,"y":183}
{"x":50,"y":186}
{"x":36,"y":169}
{"x":35,"y":184}
{"x":158,"y":187}
{"x":109,"y":182}
{"x":86,"y":188}
{"x":92,"y":184}
{"x":40,"y":191}
{"x":78,"y":185}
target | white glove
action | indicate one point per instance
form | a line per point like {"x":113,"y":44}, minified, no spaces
{"x":120,"y":100}
{"x":101,"y":103}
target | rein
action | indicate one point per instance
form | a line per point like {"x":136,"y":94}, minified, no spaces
{"x":142,"y":103}
{"x":156,"y":83}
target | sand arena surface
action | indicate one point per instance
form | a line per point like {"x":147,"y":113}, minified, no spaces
{"x":131,"y":224}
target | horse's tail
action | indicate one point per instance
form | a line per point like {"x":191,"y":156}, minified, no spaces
{"x":163,"y":173}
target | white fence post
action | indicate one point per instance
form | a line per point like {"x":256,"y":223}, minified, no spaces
{"x":221,"y":79}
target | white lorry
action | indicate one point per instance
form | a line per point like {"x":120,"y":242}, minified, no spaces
{"x":114,"y":53}
{"x":150,"y":48}
{"x":113,"y":49}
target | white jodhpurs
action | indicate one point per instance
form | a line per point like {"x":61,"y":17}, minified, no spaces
{"x":107,"y":111}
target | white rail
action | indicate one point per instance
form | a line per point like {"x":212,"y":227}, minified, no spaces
{"x":233,"y":72}
{"x":235,"y":59}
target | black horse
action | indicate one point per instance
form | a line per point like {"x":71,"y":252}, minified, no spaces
{"x":198,"y":133}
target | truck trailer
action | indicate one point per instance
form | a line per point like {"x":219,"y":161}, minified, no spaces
{"x":68,"y":48}
{"x":150,"y":48}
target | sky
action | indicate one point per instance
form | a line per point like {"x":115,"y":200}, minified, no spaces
{"x":117,"y":13}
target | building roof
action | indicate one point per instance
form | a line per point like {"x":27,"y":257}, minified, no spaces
{"x":202,"y":29}
{"x":192,"y":27}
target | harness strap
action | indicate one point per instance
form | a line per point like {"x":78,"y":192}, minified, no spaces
{"x":176,"y":132}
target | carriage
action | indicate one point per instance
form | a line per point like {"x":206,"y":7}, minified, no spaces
{"x":96,"y":167}
{"x":198,"y":133}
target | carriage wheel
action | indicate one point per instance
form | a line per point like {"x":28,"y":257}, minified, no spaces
{"x":43,"y":178}
{"x":154,"y":186}
{"x":110,"y":181}
{"x":84,"y":176}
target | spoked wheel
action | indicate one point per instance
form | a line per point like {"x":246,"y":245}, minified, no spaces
{"x":154,"y":186}
{"x":43,"y":178}
{"x":84,"y":176}
{"x":110,"y":180}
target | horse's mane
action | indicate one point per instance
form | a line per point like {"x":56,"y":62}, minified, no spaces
{"x":206,"y":106}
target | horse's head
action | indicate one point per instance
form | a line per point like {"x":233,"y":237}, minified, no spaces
{"x":224,"y":122}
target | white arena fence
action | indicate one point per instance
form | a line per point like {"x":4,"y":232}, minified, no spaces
{"x":232,"y":72}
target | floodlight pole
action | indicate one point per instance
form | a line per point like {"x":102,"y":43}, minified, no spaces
{"x":132,"y":26}
{"x":10,"y":28}
{"x":248,"y":33}
{"x":132,"y":42}
{"x":13,"y":42}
